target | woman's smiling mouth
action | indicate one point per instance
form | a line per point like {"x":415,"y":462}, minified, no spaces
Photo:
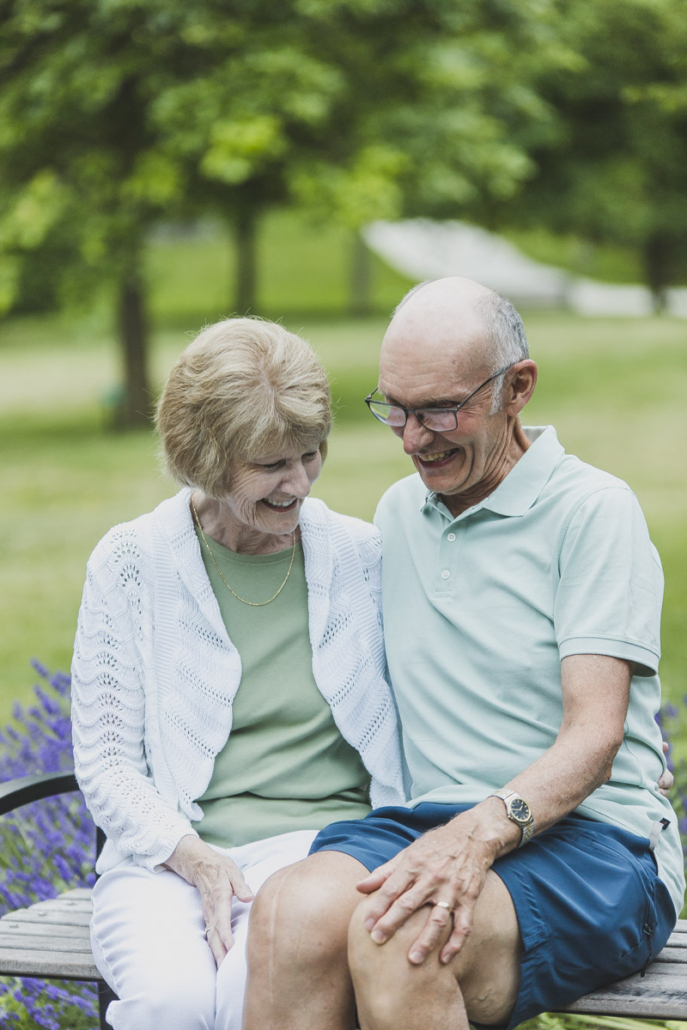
{"x":281,"y":505}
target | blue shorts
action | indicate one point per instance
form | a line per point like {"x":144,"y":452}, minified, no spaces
{"x":590,"y":905}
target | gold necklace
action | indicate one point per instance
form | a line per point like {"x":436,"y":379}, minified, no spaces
{"x":253,"y":604}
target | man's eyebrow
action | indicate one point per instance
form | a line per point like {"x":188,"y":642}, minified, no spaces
{"x":434,"y":402}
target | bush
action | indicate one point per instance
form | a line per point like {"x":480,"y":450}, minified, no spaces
{"x":45,"y":848}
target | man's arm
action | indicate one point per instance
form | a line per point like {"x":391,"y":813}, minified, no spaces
{"x":450,"y":864}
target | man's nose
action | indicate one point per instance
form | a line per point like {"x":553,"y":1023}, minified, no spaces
{"x":415,"y":435}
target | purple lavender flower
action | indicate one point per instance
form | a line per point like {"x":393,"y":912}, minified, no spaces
{"x":46,"y":847}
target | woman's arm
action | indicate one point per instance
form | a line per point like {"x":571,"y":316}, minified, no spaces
{"x":108,"y":716}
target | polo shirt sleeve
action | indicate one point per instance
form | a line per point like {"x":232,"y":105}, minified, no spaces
{"x":610,"y":590}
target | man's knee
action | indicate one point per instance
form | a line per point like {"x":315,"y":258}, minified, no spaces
{"x":387,"y":985}
{"x":366,"y":957}
{"x":301,"y":911}
{"x":485,"y":971}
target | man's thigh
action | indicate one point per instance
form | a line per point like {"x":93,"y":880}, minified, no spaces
{"x":590,"y":907}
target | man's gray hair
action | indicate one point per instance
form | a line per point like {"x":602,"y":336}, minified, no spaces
{"x":507,"y":339}
{"x":505,"y":332}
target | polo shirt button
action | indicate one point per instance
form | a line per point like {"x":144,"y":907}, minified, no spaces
{"x":451,"y":537}
{"x":445,"y":574}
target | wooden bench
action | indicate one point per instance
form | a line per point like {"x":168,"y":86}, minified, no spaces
{"x":50,"y":940}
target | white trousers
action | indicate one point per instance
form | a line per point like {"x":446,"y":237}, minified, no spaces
{"x":147,"y":936}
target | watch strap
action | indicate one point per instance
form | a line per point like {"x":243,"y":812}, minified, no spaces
{"x":527,"y":829}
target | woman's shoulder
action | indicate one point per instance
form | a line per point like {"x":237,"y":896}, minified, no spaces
{"x":316,"y":512}
{"x":341,"y":532}
{"x":134,"y":540}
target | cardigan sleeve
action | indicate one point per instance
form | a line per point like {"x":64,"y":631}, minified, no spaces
{"x":370,"y":550}
{"x":108,"y":715}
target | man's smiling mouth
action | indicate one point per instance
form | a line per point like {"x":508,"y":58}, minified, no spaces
{"x":438,"y":458}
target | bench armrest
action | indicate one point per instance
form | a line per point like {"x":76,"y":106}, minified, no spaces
{"x":15,"y":793}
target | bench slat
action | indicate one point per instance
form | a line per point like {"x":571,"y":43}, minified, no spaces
{"x":661,"y":994}
{"x":52,"y":965}
{"x":9,"y":926}
{"x":636,"y":1007}
{"x":78,"y":892}
{"x":671,"y":954}
{"x":63,"y":904}
{"x":37,"y":914}
{"x":33,"y":942}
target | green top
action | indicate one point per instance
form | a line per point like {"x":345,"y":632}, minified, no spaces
{"x":480,"y":609}
{"x":285,"y":766}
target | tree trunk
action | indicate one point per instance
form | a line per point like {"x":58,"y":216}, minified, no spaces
{"x":136,"y":404}
{"x":360,"y":300}
{"x":245,"y":235}
{"x":659,"y":267}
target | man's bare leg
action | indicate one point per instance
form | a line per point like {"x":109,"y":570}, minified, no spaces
{"x":298,"y":975}
{"x":481,"y":982}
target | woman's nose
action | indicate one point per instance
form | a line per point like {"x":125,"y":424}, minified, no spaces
{"x":297,"y":482}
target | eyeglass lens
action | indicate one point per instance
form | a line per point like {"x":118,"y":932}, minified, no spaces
{"x":433,"y":418}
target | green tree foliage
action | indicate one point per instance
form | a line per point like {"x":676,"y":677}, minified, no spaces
{"x":615,"y":169}
{"x":115,"y":114}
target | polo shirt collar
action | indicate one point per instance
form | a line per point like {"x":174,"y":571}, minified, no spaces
{"x":525,"y":481}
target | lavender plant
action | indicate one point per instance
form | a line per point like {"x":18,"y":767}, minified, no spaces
{"x":670,"y":720}
{"x":45,"y":848}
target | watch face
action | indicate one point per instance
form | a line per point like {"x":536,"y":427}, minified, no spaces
{"x":520,"y":811}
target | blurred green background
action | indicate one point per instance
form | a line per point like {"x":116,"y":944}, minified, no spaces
{"x":614,"y":388}
{"x":163,"y":166}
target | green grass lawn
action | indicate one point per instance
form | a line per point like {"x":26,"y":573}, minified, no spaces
{"x":302,"y":267}
{"x":614,"y":389}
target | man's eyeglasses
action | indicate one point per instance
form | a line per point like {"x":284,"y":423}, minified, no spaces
{"x":438,"y":420}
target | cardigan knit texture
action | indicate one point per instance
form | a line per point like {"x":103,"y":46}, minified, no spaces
{"x":154,"y":672}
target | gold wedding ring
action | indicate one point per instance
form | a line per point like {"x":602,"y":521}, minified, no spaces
{"x":208,"y":930}
{"x":443,"y":904}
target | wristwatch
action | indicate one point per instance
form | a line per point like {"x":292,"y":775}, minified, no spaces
{"x":518,"y":811}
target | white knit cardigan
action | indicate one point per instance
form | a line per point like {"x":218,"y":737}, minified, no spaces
{"x":154,"y":673}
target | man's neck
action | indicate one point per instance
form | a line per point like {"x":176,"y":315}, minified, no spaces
{"x":516,"y":445}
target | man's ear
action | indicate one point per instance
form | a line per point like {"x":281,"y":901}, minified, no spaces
{"x":519,"y":387}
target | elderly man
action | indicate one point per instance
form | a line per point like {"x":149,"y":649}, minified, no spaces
{"x":536,"y":859}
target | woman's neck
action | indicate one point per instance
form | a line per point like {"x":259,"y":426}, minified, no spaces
{"x":219,"y":524}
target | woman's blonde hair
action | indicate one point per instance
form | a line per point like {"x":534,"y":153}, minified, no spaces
{"x":244,"y":388}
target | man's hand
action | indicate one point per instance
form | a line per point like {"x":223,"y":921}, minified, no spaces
{"x":666,"y":779}
{"x":218,"y":881}
{"x":448,"y":865}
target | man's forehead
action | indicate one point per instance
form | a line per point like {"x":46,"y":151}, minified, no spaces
{"x":415,"y":378}
{"x":430,"y":364}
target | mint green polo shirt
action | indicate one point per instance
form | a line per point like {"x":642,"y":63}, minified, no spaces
{"x":480,"y":609}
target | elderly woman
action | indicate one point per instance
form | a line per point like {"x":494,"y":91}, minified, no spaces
{"x":229,"y":691}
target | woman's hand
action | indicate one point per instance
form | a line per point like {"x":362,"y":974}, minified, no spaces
{"x":218,"y":880}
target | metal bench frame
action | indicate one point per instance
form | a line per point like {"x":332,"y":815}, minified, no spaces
{"x":50,"y":939}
